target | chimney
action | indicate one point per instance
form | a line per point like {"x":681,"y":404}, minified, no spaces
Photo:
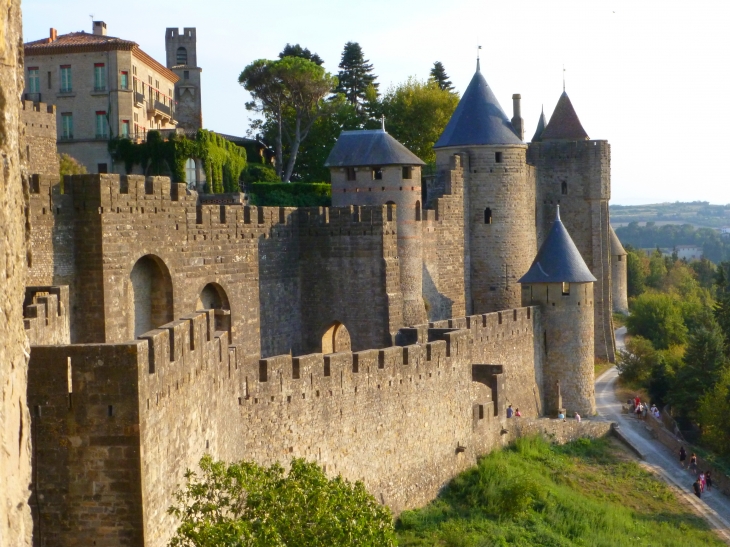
{"x":517,"y":121}
{"x":100,"y":28}
{"x":53,"y":35}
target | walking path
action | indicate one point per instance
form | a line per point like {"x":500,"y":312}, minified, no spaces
{"x":714,"y":506}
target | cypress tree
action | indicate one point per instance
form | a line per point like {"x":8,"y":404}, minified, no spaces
{"x":355,"y":75}
{"x":438,"y":73}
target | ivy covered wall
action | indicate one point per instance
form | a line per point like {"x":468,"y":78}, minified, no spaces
{"x":222,"y":161}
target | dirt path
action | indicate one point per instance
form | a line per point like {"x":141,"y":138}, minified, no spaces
{"x":714,"y":506}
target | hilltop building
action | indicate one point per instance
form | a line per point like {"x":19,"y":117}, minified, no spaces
{"x":102,"y":87}
{"x":182,"y":59}
{"x":382,"y":338}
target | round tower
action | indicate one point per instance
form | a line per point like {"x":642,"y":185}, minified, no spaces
{"x":561,"y":285}
{"x":499,"y":189}
{"x":619,"y":281}
{"x":369,"y":167}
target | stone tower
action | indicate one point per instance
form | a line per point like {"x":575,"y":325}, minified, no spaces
{"x":619,"y":279}
{"x":560,"y":283}
{"x":370,"y":167}
{"x":575,"y":172}
{"x":182,"y":59}
{"x":499,"y":197}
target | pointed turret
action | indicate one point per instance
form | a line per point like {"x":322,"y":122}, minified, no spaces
{"x":564,"y":124}
{"x":619,"y":281}
{"x":541,"y":123}
{"x":558,"y":260}
{"x":478,"y":119}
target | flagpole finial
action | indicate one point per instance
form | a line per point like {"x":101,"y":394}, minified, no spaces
{"x":478,"y":64}
{"x":563,"y":78}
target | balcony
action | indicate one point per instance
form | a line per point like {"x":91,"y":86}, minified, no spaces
{"x":138,"y":98}
{"x":35,"y":97}
{"x":160,"y":111}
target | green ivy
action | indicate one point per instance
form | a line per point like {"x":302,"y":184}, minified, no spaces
{"x":223,"y":161}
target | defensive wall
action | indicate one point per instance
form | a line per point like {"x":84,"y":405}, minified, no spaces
{"x":116,"y":425}
{"x":273,"y":266}
{"x":46,"y":315}
{"x":38,"y":137}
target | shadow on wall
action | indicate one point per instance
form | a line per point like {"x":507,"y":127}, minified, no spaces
{"x":213,"y":297}
{"x":151,"y":294}
{"x":438,"y":306}
{"x":336,"y":339}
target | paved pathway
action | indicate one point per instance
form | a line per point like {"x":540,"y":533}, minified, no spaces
{"x":713,"y":505}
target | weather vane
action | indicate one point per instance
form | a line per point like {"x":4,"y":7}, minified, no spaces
{"x":563,"y":78}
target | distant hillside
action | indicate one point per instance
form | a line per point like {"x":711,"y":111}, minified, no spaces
{"x":698,"y":213}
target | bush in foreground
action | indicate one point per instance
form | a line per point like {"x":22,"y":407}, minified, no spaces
{"x":244,"y":504}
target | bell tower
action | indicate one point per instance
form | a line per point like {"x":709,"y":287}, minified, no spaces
{"x":182,"y":59}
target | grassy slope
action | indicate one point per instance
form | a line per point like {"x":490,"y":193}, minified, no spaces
{"x":586,"y":493}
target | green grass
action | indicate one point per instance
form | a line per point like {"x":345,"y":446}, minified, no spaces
{"x":585,"y":493}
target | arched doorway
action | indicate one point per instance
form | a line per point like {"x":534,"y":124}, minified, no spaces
{"x":151,"y":294}
{"x":213,"y":297}
{"x":336,"y":339}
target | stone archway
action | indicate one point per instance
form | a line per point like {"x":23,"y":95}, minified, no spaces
{"x":336,"y":339}
{"x":151,"y":295}
{"x":214,"y":297}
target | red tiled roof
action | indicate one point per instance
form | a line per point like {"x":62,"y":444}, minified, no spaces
{"x":79,"y":42}
{"x":564,"y":123}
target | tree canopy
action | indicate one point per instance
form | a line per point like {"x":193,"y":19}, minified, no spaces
{"x":292,"y":93}
{"x":244,"y":504}
{"x":355,"y":76}
{"x":298,"y":51}
{"x":438,"y":75}
{"x":416,"y":114}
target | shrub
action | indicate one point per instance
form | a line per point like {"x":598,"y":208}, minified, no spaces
{"x":295,"y":194}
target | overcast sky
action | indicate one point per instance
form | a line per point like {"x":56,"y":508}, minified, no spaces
{"x":651,"y":77}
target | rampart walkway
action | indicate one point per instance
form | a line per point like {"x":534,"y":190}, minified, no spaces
{"x":714,"y":506}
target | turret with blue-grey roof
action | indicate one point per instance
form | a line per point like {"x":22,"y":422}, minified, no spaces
{"x":370,"y":167}
{"x":499,"y":195}
{"x":560,"y":285}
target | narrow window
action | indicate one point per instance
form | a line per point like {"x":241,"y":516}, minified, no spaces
{"x":407,"y":173}
{"x":125,"y":129}
{"x":34,"y":80}
{"x":67,"y":126}
{"x":377,"y":173}
{"x":498,"y":157}
{"x":418,"y":210}
{"x":102,"y":125}
{"x":124,"y":80}
{"x":110,"y":411}
{"x":186,"y":74}
{"x":66,"y":79}
{"x":134,"y":70}
{"x":182,"y":56}
{"x":102,"y":168}
{"x":99,"y":77}
{"x":620,"y":258}
{"x":351,"y":175}
{"x":566,"y":288}
{"x":564,"y":188}
{"x":487,"y":216}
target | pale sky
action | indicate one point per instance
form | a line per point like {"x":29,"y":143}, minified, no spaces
{"x":651,"y":77}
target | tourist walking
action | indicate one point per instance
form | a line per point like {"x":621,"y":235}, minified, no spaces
{"x":510,"y":412}
{"x":693,"y":463}
{"x":697,"y":489}
{"x":708,"y":480}
{"x":702,"y":481}
{"x":682,"y":456}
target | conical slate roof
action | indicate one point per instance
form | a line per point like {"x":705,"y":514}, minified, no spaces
{"x":541,"y":123}
{"x":564,"y":124}
{"x":369,"y":147}
{"x":478,"y":119}
{"x":558,"y":260}
{"x":616,"y":248}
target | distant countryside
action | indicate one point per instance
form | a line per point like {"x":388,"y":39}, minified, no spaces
{"x":671,"y":226}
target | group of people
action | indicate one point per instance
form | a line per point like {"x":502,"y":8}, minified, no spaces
{"x":704,"y":478}
{"x":642,"y":409}
{"x":513,"y":412}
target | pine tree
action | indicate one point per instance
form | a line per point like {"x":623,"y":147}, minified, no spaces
{"x":355,"y":75}
{"x":438,"y":73}
{"x":298,"y":51}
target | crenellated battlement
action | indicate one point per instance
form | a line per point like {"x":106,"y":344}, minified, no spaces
{"x":32,"y":106}
{"x":46,"y":315}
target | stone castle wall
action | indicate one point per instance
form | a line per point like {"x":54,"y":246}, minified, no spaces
{"x":122,"y":422}
{"x":15,"y":446}
{"x":46,"y":316}
{"x":577,"y":176}
{"x":38,"y":137}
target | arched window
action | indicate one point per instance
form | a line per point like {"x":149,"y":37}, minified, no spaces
{"x":390,"y":209}
{"x":487,"y":216}
{"x":151,"y":294}
{"x":191,"y":175}
{"x":336,"y":339}
{"x":213,"y":297}
{"x":564,"y":188}
{"x":418,"y":210}
{"x":182,"y":56}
